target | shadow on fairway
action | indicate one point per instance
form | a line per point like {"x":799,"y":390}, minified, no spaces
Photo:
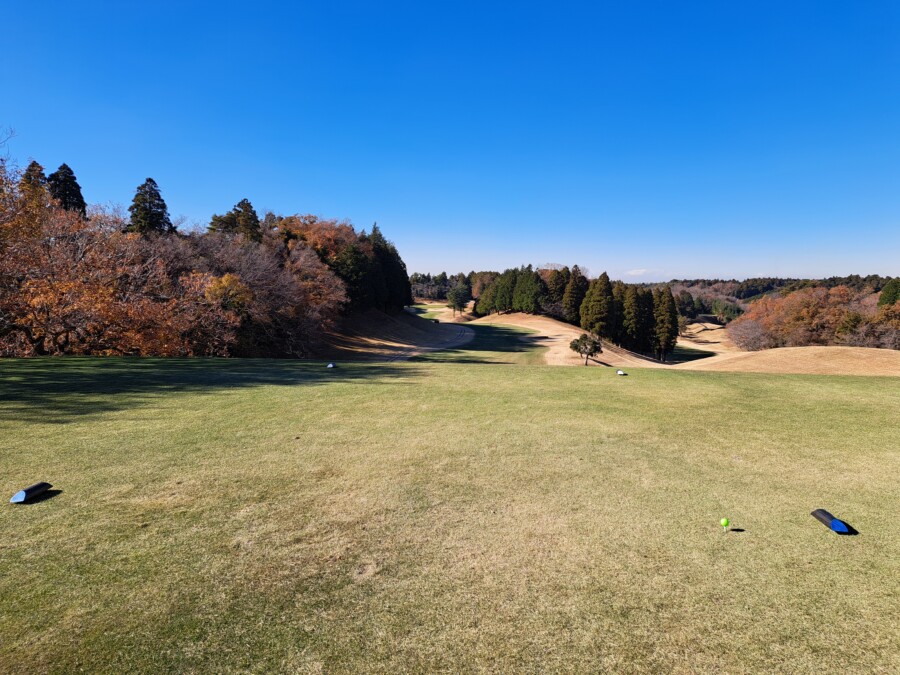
{"x":61,"y":389}
{"x":489,"y":345}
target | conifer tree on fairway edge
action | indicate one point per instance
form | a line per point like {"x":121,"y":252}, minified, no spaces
{"x":665,"y":314}
{"x":576,"y":289}
{"x":458,"y":298}
{"x":597,"y":307}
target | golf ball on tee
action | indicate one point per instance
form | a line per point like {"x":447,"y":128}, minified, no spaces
{"x":724,"y":522}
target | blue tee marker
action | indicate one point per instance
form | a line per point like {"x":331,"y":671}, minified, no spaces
{"x":31,"y":492}
{"x":830,"y":521}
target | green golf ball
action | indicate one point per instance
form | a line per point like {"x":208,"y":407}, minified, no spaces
{"x":724,"y":522}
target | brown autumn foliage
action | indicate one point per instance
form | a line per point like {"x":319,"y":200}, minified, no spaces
{"x":817,"y":316}
{"x":82,"y":286}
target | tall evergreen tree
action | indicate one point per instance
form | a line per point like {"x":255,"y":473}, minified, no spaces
{"x":149,"y":213}
{"x":33,"y":177}
{"x":597,"y":308}
{"x":458,"y":298}
{"x":242,"y":219}
{"x":556,"y":284}
{"x":576,"y":289}
{"x":486,"y":304}
{"x":64,"y":188}
{"x":33,"y":186}
{"x":618,"y":304}
{"x":529,"y":291}
{"x":503,"y":293}
{"x":631,"y":318}
{"x":890,"y":294}
{"x":393,"y":270}
{"x":646,"y":320}
{"x":665,"y":314}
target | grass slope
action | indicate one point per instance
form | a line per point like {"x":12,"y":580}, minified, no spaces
{"x":493,"y":343}
{"x":277,"y":516}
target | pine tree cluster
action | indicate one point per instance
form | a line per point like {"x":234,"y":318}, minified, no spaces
{"x":634,"y":317}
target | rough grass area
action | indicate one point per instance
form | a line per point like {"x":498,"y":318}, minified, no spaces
{"x":262,"y":516}
{"x":493,"y":343}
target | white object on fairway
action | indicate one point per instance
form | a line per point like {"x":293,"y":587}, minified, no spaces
{"x":620,"y":372}
{"x":330,"y":365}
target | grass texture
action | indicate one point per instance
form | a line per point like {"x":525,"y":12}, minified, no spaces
{"x":274,"y":516}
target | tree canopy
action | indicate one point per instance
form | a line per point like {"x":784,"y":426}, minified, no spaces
{"x":149,"y":213}
{"x":242,"y":219}
{"x":64,"y":188}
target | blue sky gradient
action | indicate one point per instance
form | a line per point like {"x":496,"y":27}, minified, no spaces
{"x":650,"y":139}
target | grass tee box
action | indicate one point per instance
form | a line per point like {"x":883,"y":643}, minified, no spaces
{"x":274,"y":516}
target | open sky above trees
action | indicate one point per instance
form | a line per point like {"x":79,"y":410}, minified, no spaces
{"x":653,"y":140}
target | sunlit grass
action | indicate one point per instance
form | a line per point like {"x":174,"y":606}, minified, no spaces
{"x":273,"y":516}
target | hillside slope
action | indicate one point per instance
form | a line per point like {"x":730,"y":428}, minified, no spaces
{"x":376,"y":336}
{"x":805,"y":360}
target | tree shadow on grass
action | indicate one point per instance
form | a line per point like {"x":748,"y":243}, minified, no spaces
{"x":62,"y":389}
{"x":489,"y":345}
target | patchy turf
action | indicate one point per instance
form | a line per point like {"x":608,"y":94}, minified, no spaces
{"x":276,"y":516}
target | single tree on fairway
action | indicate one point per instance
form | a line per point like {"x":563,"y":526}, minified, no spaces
{"x":587,"y":346}
{"x":665,"y":313}
{"x":149,"y":213}
{"x":242,"y":219}
{"x":576,"y":289}
{"x":64,"y":188}
{"x":458,"y":298}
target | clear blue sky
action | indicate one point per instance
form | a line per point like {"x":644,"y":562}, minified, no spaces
{"x":725,"y":138}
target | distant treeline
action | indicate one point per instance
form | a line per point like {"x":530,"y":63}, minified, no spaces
{"x":772,"y":312}
{"x":753,"y":288}
{"x":633,"y":316}
{"x":761,"y":313}
{"x":822,"y":315}
{"x":82,"y":280}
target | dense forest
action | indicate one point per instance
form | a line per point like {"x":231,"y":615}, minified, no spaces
{"x":636,"y":317}
{"x":760,"y":313}
{"x":76,"y":279}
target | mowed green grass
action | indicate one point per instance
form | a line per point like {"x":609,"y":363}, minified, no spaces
{"x":220,"y":516}
{"x":425,"y":311}
{"x":492,"y":343}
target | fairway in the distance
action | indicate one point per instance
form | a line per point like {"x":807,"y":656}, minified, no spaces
{"x":276,"y":516}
